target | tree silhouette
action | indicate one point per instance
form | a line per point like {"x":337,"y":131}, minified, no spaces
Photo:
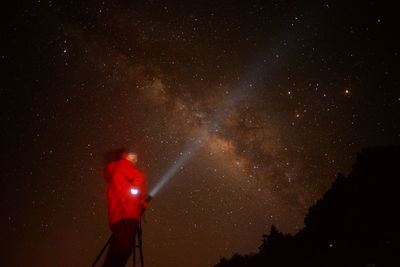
{"x":354,"y":224}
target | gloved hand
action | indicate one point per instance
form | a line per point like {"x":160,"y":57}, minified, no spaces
{"x":145,"y":203}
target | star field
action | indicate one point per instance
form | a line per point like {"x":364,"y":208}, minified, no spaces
{"x":282,"y":95}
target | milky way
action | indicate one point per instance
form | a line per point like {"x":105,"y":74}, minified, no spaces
{"x":266,"y":102}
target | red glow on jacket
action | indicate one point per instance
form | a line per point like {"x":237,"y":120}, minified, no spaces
{"x":121,"y":177}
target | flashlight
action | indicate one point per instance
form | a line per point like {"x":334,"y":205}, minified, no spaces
{"x":134,"y":191}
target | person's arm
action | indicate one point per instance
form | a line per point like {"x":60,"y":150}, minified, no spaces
{"x":144,"y":198}
{"x":137,"y":180}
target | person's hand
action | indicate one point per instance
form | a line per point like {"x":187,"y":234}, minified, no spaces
{"x":144,"y":204}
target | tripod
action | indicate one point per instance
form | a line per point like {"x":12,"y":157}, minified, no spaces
{"x":139,"y":245}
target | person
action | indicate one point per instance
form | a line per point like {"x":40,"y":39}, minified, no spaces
{"x":126,"y":201}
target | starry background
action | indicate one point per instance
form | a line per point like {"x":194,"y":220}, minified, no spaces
{"x":282,"y":93}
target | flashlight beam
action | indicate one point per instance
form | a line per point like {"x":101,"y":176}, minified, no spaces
{"x":184,"y":157}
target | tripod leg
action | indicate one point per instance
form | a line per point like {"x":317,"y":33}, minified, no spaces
{"x":140,"y":245}
{"x":134,"y":252}
{"x":101,"y":252}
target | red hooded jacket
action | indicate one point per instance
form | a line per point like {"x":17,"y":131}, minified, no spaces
{"x":126,"y":191}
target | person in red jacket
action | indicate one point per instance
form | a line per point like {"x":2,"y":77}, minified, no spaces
{"x":126,"y":200}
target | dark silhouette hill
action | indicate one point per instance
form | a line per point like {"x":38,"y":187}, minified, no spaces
{"x":356,"y":223}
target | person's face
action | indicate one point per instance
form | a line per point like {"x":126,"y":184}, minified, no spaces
{"x":132,"y":158}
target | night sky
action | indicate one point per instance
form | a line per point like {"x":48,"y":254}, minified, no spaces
{"x":271,"y":99}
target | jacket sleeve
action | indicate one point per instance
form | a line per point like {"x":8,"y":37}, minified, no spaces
{"x":129,"y":172}
{"x":137,"y":180}
{"x":143,"y":196}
